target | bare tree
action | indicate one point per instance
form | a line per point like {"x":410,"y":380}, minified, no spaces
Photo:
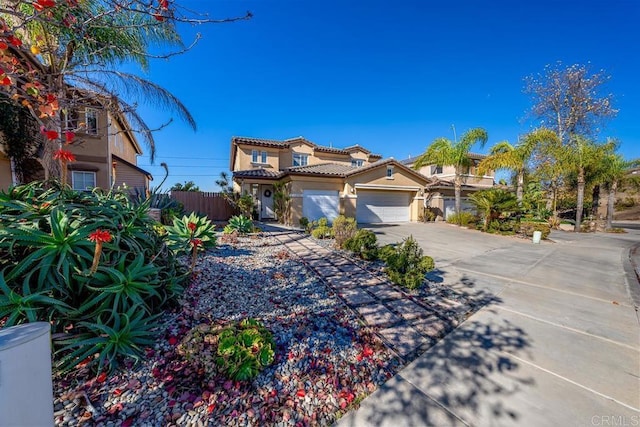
{"x":570,"y":101}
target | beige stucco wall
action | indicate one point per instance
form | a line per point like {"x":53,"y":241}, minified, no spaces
{"x":378,"y":176}
{"x":448,"y":174}
{"x":322,"y":157}
{"x":120,"y":143}
{"x":244,"y":157}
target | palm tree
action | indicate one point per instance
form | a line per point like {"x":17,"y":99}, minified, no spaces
{"x":584,"y":157}
{"x":614,"y":169}
{"x":445,"y":152}
{"x":81,"y":45}
{"x":516,"y":158}
{"x":492,"y":202}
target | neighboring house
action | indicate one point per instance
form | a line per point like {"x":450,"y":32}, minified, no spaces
{"x":441,"y":197}
{"x":106,"y":154}
{"x":325,"y":181}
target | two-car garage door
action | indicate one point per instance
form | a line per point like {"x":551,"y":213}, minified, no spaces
{"x":383,"y":206}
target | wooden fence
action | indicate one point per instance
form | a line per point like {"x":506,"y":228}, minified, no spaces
{"x":213,"y":205}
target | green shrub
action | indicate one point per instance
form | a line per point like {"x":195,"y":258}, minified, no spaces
{"x":320,"y":229}
{"x":344,"y":228}
{"x":304,"y":223}
{"x":386,"y":251}
{"x":239,"y":223}
{"x":91,"y":264}
{"x":239,"y":351}
{"x":406,"y":264}
{"x":615,"y":230}
{"x":364,"y":244}
{"x":427,"y":215}
{"x":463,"y":218}
{"x":322,"y":232}
{"x":246,"y":205}
{"x":527,"y":228}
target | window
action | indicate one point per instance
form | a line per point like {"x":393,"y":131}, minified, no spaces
{"x":81,"y":180}
{"x":258,"y":156}
{"x":300,"y":159}
{"x":389,"y":172}
{"x":91,"y":121}
{"x":438,"y":169}
{"x":357,"y":162}
{"x":70,"y":119}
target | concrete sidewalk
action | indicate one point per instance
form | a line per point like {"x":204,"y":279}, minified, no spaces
{"x":559,"y":344}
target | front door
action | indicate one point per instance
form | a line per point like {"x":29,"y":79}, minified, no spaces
{"x":266,"y":202}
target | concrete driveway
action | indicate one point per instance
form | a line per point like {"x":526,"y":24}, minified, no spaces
{"x":559,"y":344}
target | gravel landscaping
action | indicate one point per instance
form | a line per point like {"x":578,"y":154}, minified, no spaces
{"x":327,"y":360}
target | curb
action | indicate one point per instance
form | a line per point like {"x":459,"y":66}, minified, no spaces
{"x":631,"y":265}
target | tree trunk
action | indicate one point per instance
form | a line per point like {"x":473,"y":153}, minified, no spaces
{"x":610,"y":203}
{"x":580,"y":199}
{"x":457,"y":187}
{"x":520,"y":187}
{"x":595,"y":196}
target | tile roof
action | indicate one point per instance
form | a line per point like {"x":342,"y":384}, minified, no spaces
{"x":330,"y":150}
{"x":331,"y":169}
{"x":259,"y":141}
{"x":286,"y":143}
{"x":392,"y":161}
{"x":258,"y":173}
{"x":357,"y":147}
{"x":413,"y":159}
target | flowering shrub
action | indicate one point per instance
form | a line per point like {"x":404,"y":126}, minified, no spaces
{"x":92,"y":264}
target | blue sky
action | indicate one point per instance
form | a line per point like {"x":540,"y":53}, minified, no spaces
{"x":390,"y":76}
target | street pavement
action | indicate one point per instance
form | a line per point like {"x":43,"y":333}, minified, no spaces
{"x":558,"y":344}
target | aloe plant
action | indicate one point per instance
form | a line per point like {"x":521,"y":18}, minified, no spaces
{"x":57,"y":265}
{"x":188,"y":228}
{"x":239,"y":223}
{"x":127,"y":335}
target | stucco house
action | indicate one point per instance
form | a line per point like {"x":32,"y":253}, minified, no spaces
{"x":325,"y":181}
{"x":440,"y":191}
{"x":106,"y":153}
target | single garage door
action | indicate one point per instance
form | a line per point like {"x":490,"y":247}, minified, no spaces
{"x":450,"y":206}
{"x":320,"y":203}
{"x":383,"y":206}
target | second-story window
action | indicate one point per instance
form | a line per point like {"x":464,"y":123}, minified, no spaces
{"x":91,"y":121}
{"x":389,"y":172}
{"x":300,"y":159}
{"x":357,"y":162}
{"x":258,"y":156}
{"x":437,"y":170}
{"x":70,"y":119}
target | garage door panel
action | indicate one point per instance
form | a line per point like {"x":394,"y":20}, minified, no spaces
{"x":317,"y":204}
{"x":383,"y":206}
